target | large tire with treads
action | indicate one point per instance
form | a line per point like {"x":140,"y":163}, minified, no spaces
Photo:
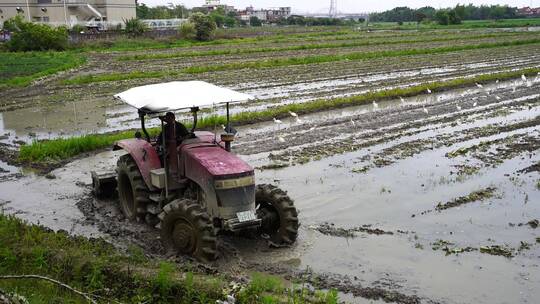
{"x":278,"y":214}
{"x":132,"y":191}
{"x":187,"y":228}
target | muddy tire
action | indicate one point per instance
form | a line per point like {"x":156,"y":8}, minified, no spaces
{"x":187,"y":228}
{"x":132,"y":191}
{"x":278,"y":214}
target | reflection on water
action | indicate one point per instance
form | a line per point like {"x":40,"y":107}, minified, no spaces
{"x":2,"y":128}
{"x":70,"y":117}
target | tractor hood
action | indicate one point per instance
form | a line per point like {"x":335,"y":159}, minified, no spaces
{"x":213,"y":161}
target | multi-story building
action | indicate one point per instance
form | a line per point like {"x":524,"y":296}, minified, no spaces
{"x":529,"y":11}
{"x":267,"y":15}
{"x":278,"y":13}
{"x":69,"y":12}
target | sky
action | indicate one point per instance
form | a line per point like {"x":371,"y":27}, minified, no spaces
{"x":344,"y":6}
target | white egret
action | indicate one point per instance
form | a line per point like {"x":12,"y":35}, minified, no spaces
{"x":293,"y":114}
{"x":458,"y":107}
{"x":353,"y":123}
{"x":497,"y":97}
{"x":425,"y":110}
{"x":523,"y":78}
{"x":277,"y":122}
{"x":479,"y":85}
{"x":475,"y":104}
{"x":375,"y":105}
{"x":428,"y":91}
{"x":401,"y":99}
{"x":281,"y":139}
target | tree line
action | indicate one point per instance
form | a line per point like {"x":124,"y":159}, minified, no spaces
{"x":448,"y":15}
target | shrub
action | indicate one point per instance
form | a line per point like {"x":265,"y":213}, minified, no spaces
{"x":442,"y":17}
{"x":204,"y":26}
{"x":27,"y":36}
{"x":77,"y":28}
{"x":135,"y":27}
{"x":254,"y":21}
{"x":187,"y":30}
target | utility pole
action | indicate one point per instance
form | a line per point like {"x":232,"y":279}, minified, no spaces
{"x":332,"y":13}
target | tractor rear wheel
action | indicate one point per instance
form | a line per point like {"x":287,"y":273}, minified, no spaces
{"x":187,"y":228}
{"x":132,"y":191}
{"x":278,"y":214}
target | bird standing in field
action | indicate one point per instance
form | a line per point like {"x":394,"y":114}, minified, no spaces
{"x":353,"y":123}
{"x":428,"y":91}
{"x":425,"y":110}
{"x":277,"y":122}
{"x":375,"y":105}
{"x":497,"y":97}
{"x":401,"y":99}
{"x":523,"y":77}
{"x":458,"y":107}
{"x":296,"y":118}
{"x":281,"y":139}
{"x":475,"y":104}
{"x":479,"y":85}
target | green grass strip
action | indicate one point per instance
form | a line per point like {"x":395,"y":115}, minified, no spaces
{"x":273,"y":63}
{"x":20,"y":69}
{"x":314,"y":46}
{"x":108,"y":275}
{"x":64,"y":148}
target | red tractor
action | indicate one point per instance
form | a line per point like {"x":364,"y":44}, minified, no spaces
{"x":188,"y":183}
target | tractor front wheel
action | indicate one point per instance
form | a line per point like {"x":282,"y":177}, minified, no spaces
{"x":132,"y":191}
{"x":278,"y":214}
{"x":187,"y":228}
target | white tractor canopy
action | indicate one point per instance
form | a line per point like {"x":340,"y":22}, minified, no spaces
{"x":177,"y":95}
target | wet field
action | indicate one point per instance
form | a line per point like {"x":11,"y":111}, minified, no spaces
{"x":430,"y":199}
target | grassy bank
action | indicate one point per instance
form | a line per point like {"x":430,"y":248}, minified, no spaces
{"x":20,"y":69}
{"x":467,"y":24}
{"x":134,"y":44}
{"x":106,"y":275}
{"x":384,"y":41}
{"x":274,"y":63}
{"x":63,"y":148}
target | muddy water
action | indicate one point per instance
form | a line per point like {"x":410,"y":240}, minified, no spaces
{"x":328,"y":191}
{"x":51,"y":200}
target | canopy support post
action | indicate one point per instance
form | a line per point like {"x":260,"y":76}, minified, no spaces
{"x":143,"y":127}
{"x":194,"y":110}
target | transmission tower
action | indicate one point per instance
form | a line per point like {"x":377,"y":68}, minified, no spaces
{"x":333,"y":9}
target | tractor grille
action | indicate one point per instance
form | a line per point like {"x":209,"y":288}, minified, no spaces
{"x":236,"y":197}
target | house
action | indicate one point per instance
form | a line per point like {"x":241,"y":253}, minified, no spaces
{"x":529,"y":11}
{"x":266,"y":15}
{"x":69,"y":12}
{"x":212,"y":5}
{"x":278,"y":13}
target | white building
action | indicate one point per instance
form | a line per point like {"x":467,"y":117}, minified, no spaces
{"x":69,"y":12}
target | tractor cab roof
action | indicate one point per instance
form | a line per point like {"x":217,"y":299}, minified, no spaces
{"x":177,"y":95}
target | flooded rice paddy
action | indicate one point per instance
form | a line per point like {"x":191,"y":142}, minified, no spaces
{"x":431,"y":199}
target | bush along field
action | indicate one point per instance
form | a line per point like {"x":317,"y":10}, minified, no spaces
{"x":42,"y":266}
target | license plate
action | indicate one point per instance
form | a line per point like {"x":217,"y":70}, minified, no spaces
{"x":246,"y":216}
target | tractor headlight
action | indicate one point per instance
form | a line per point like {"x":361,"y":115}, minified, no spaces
{"x":234,"y":183}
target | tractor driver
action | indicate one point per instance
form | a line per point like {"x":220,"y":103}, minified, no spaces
{"x":180,"y":130}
